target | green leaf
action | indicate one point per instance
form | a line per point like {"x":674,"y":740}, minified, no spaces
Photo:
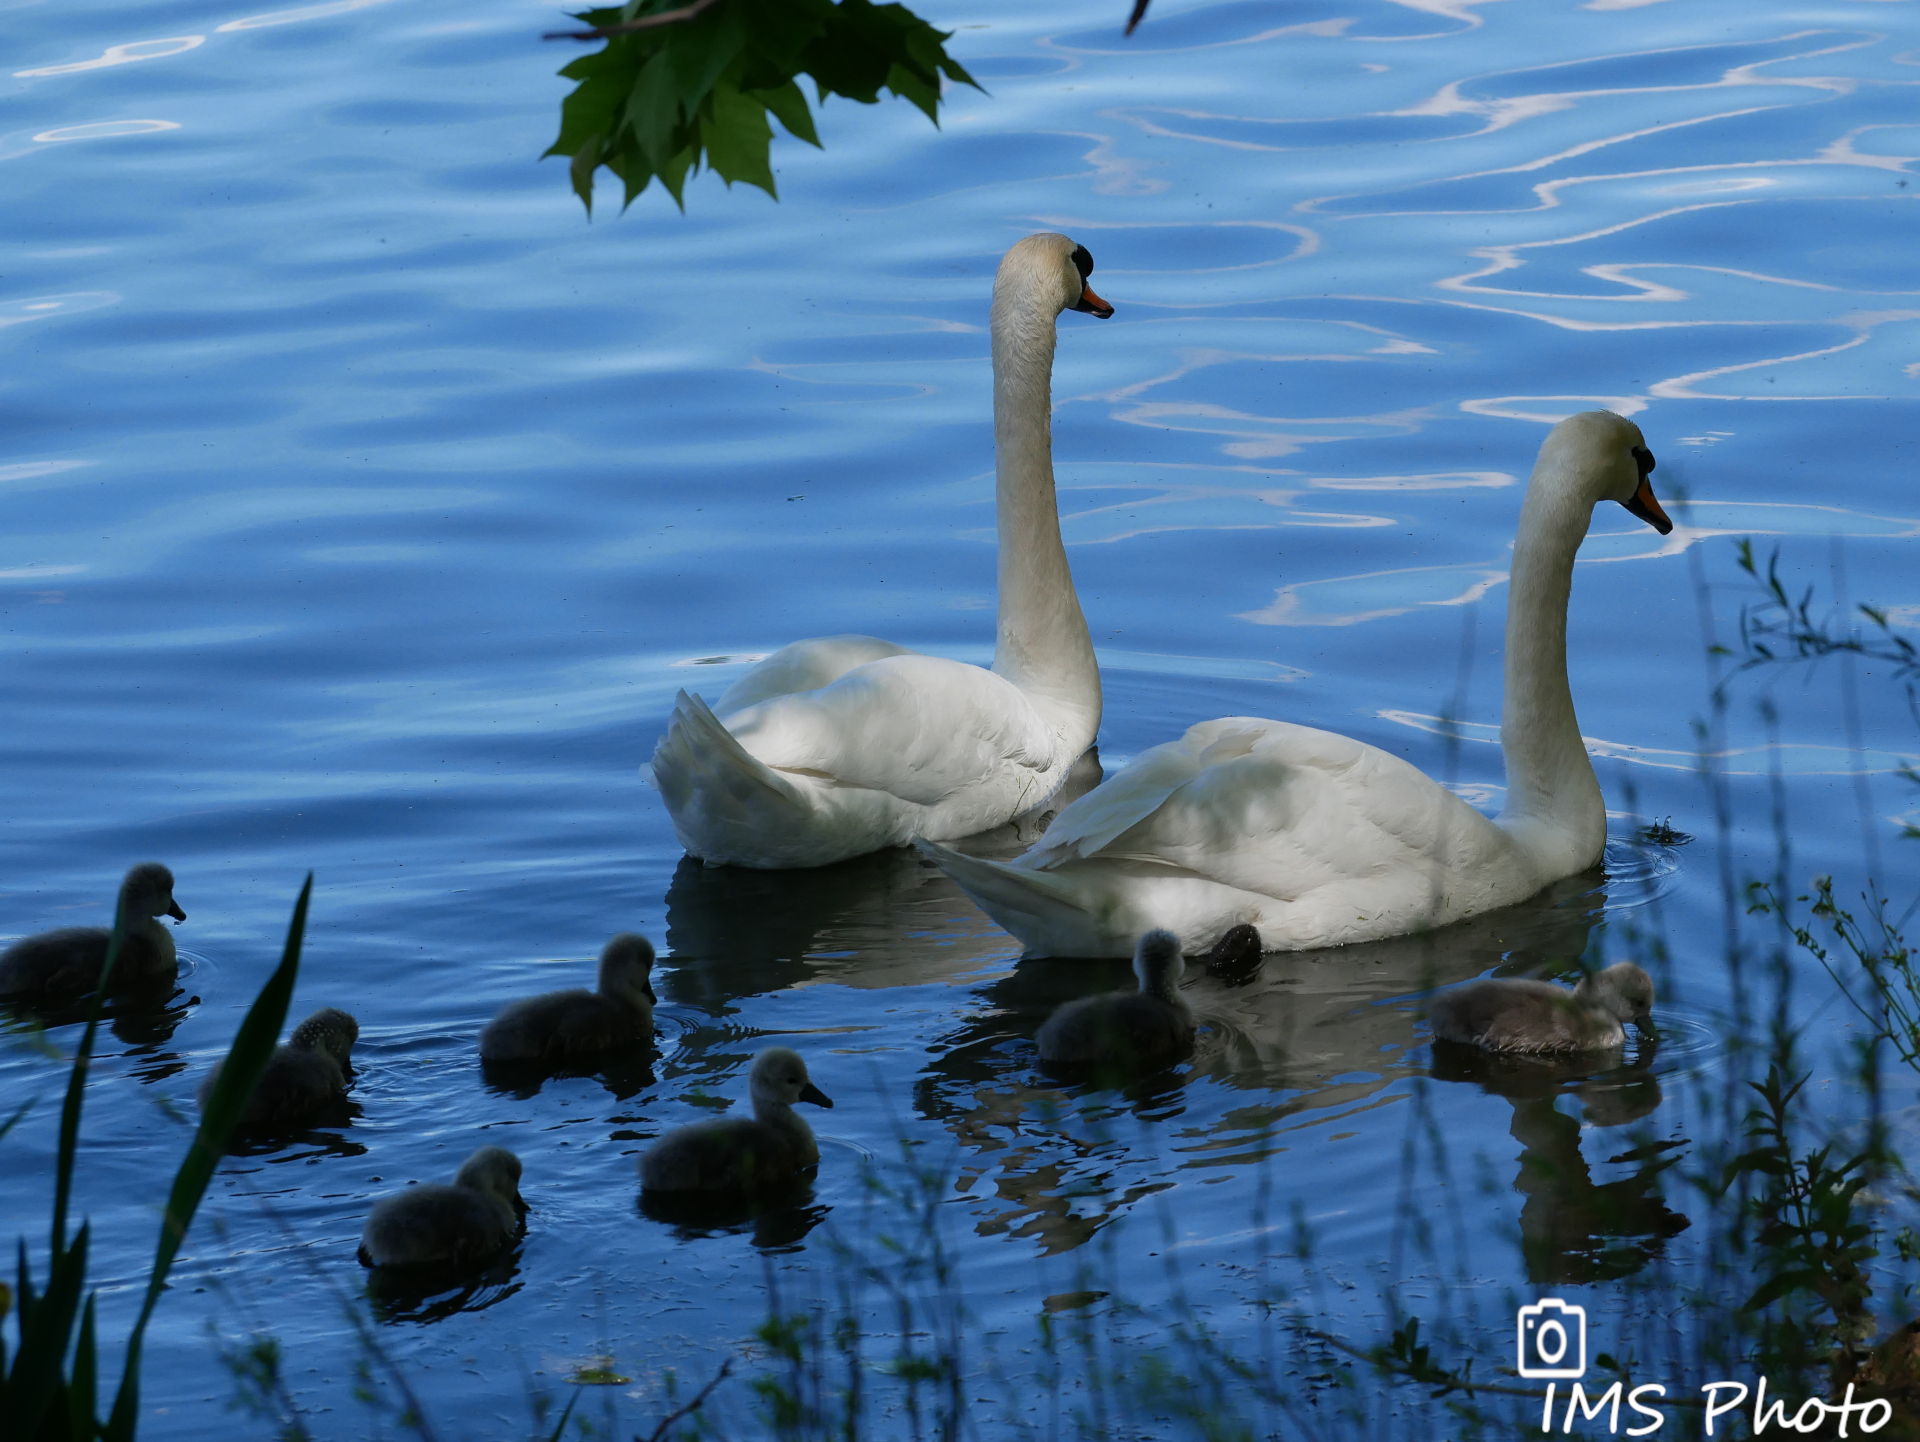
{"x":653,"y":112}
{"x":1780,"y":1284}
{"x":735,"y":132}
{"x":239,"y":1074}
{"x":701,"y":51}
{"x":589,"y":111}
{"x":789,"y":106}
{"x":673,"y":174}
{"x":586,"y":160}
{"x":634,"y":173}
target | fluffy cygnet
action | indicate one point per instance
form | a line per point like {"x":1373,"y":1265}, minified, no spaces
{"x":67,"y":962}
{"x":577,"y":1022}
{"x":736,"y":1154}
{"x":1235,"y":957}
{"x":302,"y":1079}
{"x":466,"y":1222}
{"x":1508,"y":1014}
{"x":1126,"y":1028}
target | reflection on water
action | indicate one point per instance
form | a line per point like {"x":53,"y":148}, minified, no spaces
{"x":433,"y":1294}
{"x":885,"y":920}
{"x":1573,"y":1229}
{"x":776,"y":1220}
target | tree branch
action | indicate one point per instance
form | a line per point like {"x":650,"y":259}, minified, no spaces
{"x":645,"y":22}
{"x":699,"y":1397}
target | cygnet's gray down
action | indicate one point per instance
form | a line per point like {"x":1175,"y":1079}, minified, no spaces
{"x":738,"y":1154}
{"x":1126,"y":1028}
{"x":303,"y":1078}
{"x":67,"y":962}
{"x":1512,"y":1015}
{"x":467,"y":1222}
{"x":579,"y":1022}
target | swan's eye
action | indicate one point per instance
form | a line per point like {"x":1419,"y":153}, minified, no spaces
{"x":1082,"y":261}
{"x":1643,"y":458}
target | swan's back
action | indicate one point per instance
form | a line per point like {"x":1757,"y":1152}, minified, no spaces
{"x":303,"y":1080}
{"x":743,"y":1154}
{"x":731,"y":1154}
{"x":68,"y":961}
{"x":1124,"y":1028}
{"x":437,"y":1223}
{"x":1514,"y":1015}
{"x":562,"y":1023}
{"x":1127,"y":1029}
{"x":580,"y":1022}
{"x":432,"y":1223}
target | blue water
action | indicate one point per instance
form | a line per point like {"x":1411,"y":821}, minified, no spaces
{"x":363,"y":505}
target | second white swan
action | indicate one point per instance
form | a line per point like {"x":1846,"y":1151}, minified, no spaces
{"x":1318,"y":839}
{"x":839,"y":746}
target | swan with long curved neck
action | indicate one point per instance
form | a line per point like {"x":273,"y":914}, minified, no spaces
{"x":838,"y":746}
{"x":1318,"y":839}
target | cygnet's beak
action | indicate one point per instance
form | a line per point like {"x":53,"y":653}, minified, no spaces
{"x":173,"y":910}
{"x":812,"y":1093}
{"x":1091,"y":304}
{"x":1647,"y":508}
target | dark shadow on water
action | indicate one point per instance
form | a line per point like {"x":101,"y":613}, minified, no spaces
{"x":434,"y":1293}
{"x":624,"y":1075}
{"x":144,"y":1015}
{"x":778,"y":1218}
{"x":317,"y":1138}
{"x":888,"y":919}
{"x":1307,"y":1035}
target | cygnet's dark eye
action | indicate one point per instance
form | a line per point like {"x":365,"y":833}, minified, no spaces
{"x":1643,"y":458}
{"x":1082,"y":261}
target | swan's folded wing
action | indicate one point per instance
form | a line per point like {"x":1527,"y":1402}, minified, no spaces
{"x":1286,"y":810}
{"x":917,"y":727}
{"x":1092,"y":821}
{"x":803,"y":666}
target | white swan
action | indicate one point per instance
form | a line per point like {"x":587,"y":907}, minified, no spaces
{"x":839,"y":746}
{"x":1317,"y":839}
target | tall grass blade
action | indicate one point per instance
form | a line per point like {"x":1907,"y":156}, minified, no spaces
{"x":76,"y":1090}
{"x":18,"y":1112}
{"x":35,"y":1379}
{"x":239,"y":1074}
{"x":82,"y":1393}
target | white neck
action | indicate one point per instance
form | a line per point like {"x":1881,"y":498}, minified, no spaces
{"x":1043,"y":645}
{"x":1554,"y":804}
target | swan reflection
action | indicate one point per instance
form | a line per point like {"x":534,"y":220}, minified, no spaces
{"x":1573,"y":1229}
{"x":1314,"y":1038}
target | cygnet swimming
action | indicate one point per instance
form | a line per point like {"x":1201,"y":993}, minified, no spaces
{"x":1126,"y":1028}
{"x":466,"y":1222}
{"x":67,"y":962}
{"x":577,"y":1022}
{"x":1511,"y":1015}
{"x":303,"y":1078}
{"x":736,"y":1154}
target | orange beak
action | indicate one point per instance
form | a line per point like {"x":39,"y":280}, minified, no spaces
{"x":1647,"y":508}
{"x":1092,"y":304}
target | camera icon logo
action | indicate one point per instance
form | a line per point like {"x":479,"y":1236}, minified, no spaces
{"x":1553,"y":1339}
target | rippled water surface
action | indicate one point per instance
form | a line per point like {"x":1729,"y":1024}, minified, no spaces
{"x":365,"y":505}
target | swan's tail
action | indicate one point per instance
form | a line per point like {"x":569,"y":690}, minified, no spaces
{"x":1048,"y":913}
{"x":724,"y":801}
